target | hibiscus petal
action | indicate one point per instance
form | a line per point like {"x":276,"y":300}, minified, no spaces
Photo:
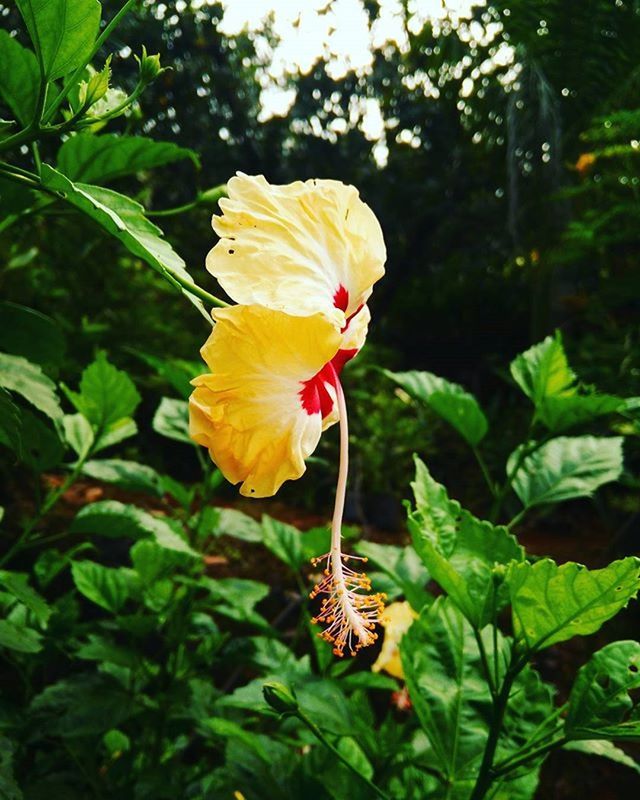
{"x":301,"y":248}
{"x":249,"y":412}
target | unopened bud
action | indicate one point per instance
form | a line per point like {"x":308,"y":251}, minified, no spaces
{"x":149,"y":67}
{"x":280,"y":697}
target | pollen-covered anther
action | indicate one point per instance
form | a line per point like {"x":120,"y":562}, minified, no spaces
{"x":349,"y":615}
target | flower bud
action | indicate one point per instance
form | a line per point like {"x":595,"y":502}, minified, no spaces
{"x":149,"y":67}
{"x":280,"y":697}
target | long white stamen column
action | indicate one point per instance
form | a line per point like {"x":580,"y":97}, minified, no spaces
{"x":351,"y":615}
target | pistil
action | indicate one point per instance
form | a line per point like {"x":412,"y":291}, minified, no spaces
{"x":349,"y":612}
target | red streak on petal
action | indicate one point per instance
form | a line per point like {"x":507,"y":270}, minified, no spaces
{"x":341,"y":358}
{"x":341,"y":298}
{"x":314,"y":395}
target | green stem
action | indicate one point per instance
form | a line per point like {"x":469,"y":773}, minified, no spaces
{"x":315,"y":730}
{"x":18,"y":175}
{"x":518,"y":518}
{"x":192,"y":288}
{"x":485,"y":663}
{"x":513,"y":763}
{"x":36,"y":156}
{"x":170,"y":212}
{"x":73,"y":80}
{"x":486,"y":773}
{"x":525,"y":452}
{"x":485,"y":471}
{"x":115,"y":112}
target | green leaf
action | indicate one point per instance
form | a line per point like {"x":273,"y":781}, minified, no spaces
{"x":117,"y":432}
{"x":100,"y":159}
{"x":9,"y":789}
{"x":107,"y":394}
{"x":403,"y":566}
{"x":62,"y":32}
{"x":41,"y":448}
{"x":350,"y":750}
{"x":560,"y":413}
{"x":92,"y":89}
{"x":605,"y":749}
{"x":552,"y":603}
{"x":106,"y":587}
{"x":172,"y":420}
{"x":18,"y":637}
{"x":124,"y":219}
{"x":449,"y":400}
{"x":28,"y":333}
{"x":236,"y":598}
{"x":99,"y":648}
{"x":565,"y":468}
{"x":17,"y":584}
{"x":234,"y":523}
{"x":600,"y":706}
{"x":10,"y":423}
{"x":125,"y":474}
{"x":19,"y":78}
{"x":451,"y":697}
{"x":27,"y":379}
{"x":176,"y":371}
{"x":442,"y":669}
{"x":78,"y":433}
{"x":460,"y":552}
{"x":118,"y":520}
{"x":543,"y":370}
{"x":544,"y":375}
{"x":284,"y":542}
{"x":80,"y":706}
{"x":153,"y":562}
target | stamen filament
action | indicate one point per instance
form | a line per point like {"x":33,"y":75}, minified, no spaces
{"x":351,"y":615}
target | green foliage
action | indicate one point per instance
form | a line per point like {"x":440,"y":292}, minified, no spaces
{"x":123,"y":218}
{"x":544,"y":375}
{"x":543,"y":371}
{"x":600,"y":706}
{"x":553,"y":603}
{"x":113,"y":519}
{"x":125,"y":474}
{"x":564,"y":468}
{"x":107,"y":395}
{"x":403,"y":568}
{"x":457,"y":406}
{"x":19,"y":78}
{"x":93,"y":159}
{"x":28,"y":333}
{"x":136,"y":640}
{"x":172,"y":420}
{"x":463,"y":554}
{"x":62,"y":32}
{"x":28,"y":380}
{"x":107,"y":587}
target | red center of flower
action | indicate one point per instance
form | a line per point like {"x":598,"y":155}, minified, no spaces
{"x":314,"y":395}
{"x":341,"y":298}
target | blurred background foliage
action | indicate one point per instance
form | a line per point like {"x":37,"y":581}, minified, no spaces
{"x":498,"y":143}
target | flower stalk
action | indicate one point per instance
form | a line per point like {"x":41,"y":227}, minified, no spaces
{"x":349,"y":612}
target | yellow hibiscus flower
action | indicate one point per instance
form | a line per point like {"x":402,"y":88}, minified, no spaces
{"x":301,"y":248}
{"x":301,"y":260}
